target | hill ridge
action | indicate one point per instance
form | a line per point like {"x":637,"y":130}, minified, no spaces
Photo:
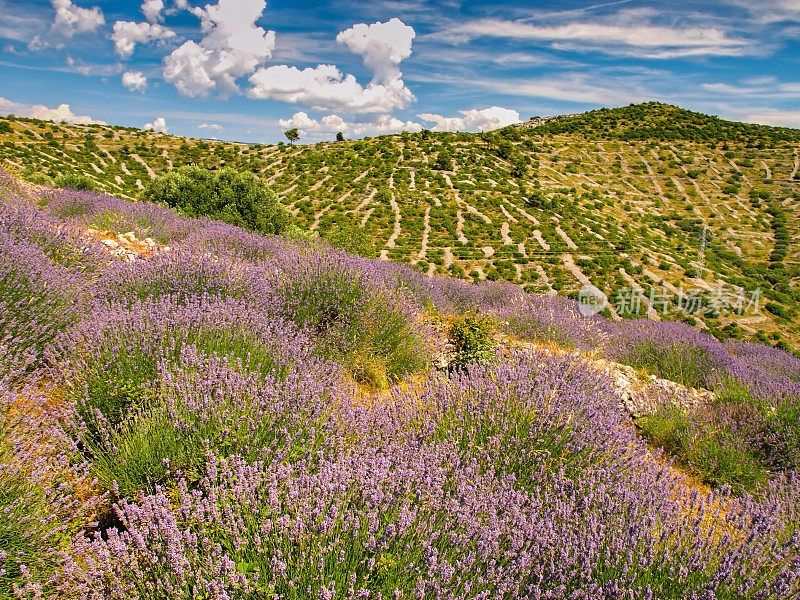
{"x":616,"y":197}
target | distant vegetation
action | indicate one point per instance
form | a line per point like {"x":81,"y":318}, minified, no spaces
{"x":621,"y":197}
{"x":236,"y":198}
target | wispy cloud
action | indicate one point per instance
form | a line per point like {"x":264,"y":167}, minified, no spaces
{"x":626,"y":32}
{"x":574,"y":87}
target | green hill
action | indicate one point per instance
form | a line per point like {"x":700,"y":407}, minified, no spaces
{"x":671,"y":213}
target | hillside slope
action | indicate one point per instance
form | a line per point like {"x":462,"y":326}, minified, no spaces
{"x":670,"y":213}
{"x":212,"y":413}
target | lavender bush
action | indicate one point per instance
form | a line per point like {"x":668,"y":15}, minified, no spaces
{"x":412,"y":500}
{"x":45,"y":493}
{"x":37,"y":301}
{"x":206,"y":389}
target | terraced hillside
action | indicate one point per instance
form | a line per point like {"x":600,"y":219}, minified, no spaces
{"x":670,"y":213}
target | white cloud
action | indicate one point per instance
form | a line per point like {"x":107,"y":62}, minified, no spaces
{"x":127,"y":34}
{"x":382,"y":46}
{"x":211,"y":126}
{"x":325,"y":88}
{"x":158,"y":125}
{"x":629,"y":32}
{"x":472,"y":120}
{"x":135,"y":81}
{"x":331,"y":124}
{"x":151,"y":9}
{"x":765,"y":86}
{"x":575,"y":87}
{"x":233,"y":47}
{"x":61,"y":114}
{"x":771,"y":11}
{"x":70,"y":20}
{"x":771,"y":116}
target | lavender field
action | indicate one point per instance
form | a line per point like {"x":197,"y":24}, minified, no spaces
{"x":218,"y":414}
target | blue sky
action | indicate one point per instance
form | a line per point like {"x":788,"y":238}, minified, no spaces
{"x":247,"y":70}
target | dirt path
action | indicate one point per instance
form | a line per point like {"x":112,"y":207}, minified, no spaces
{"x":425,"y":234}
{"x":654,"y":180}
{"x":546,"y":280}
{"x":390,"y":243}
{"x":318,"y":185}
{"x":465,"y":204}
{"x":504,"y":231}
{"x":460,"y":227}
{"x":570,"y":244}
{"x":508,"y":215}
{"x":447,"y":257}
{"x":150,"y":173}
{"x":767,"y":169}
{"x":537,"y":235}
{"x":569,"y":263}
{"x":366,"y":216}
{"x":738,"y":168}
{"x":366,"y":201}
{"x":650,"y":312}
{"x":796,"y":164}
{"x":318,"y":216}
{"x":528,"y":216}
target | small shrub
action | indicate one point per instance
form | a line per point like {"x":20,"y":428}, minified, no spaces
{"x":237,"y":198}
{"x":74,"y":181}
{"x":470,"y":336}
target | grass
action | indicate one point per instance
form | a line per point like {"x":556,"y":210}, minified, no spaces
{"x":687,"y":365}
{"x":363,"y":326}
{"x":120,"y":376}
{"x":172,"y":436}
{"x":717,"y":453}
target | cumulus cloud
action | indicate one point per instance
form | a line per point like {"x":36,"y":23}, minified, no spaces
{"x":127,"y":34}
{"x":158,"y":125}
{"x":135,"y":81}
{"x":472,"y":120}
{"x":331,"y":124}
{"x":324,"y":87}
{"x":211,"y":126}
{"x":70,"y":20}
{"x":60,"y":114}
{"x":233,"y":47}
{"x":151,"y":9}
{"x":382,"y":46}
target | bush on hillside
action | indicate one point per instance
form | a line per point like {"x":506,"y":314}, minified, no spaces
{"x":73,"y":181}
{"x":237,"y":198}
